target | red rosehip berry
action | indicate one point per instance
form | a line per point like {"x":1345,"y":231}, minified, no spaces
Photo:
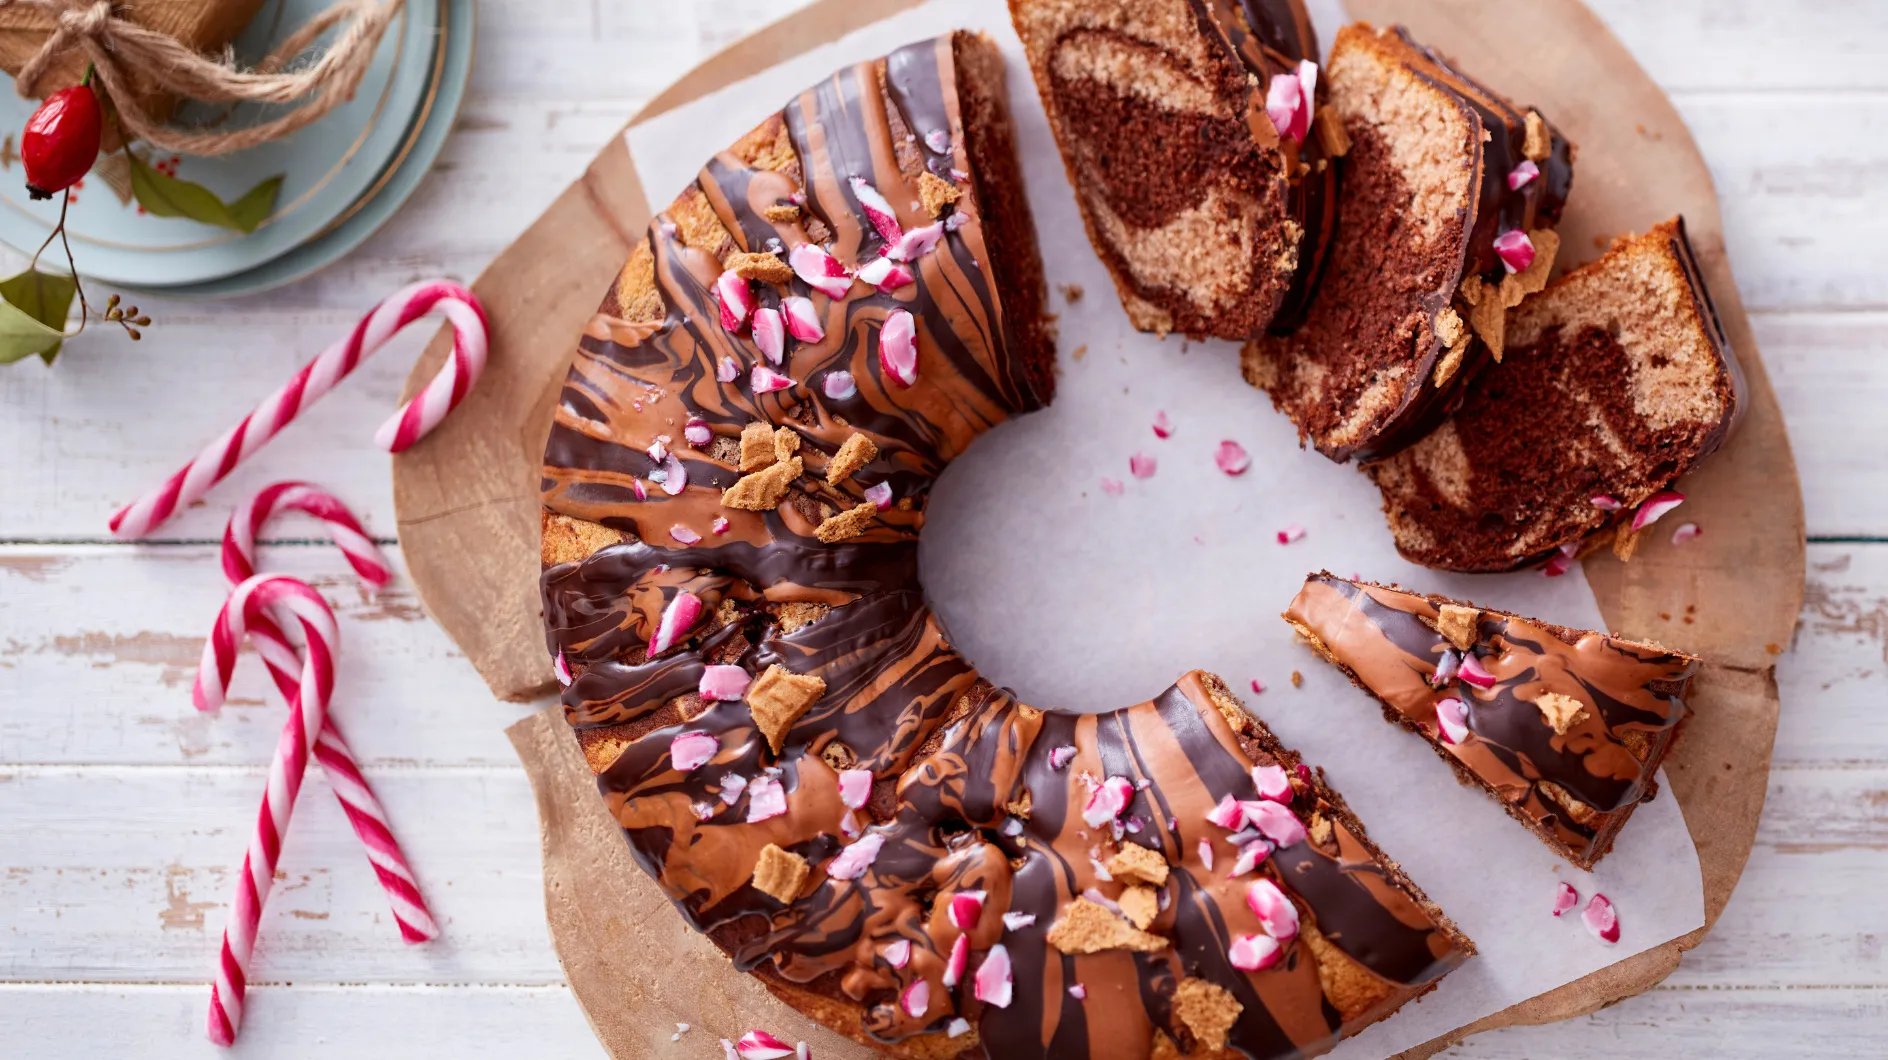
{"x":61,"y":140}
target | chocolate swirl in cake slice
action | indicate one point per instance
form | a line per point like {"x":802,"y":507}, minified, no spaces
{"x":1617,"y":381}
{"x":1564,"y":728}
{"x":1441,"y":176}
{"x":1211,"y":221}
{"x":793,"y":748}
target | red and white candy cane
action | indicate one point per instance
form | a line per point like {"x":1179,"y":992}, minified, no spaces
{"x":308,"y":708}
{"x":317,"y":377}
{"x":350,"y":786}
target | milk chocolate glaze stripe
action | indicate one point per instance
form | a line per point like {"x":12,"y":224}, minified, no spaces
{"x":1386,"y":639}
{"x":968,"y":795}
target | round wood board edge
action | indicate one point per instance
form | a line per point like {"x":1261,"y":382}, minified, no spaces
{"x":467,"y":503}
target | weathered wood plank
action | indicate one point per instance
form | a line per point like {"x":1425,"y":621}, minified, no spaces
{"x":101,"y":674}
{"x":124,"y":874}
{"x":165,"y":1021}
{"x":1754,"y":45}
{"x":1753,"y":1024}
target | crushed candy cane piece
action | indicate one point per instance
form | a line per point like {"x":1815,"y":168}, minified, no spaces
{"x":1565,"y":897}
{"x":1060,"y":757}
{"x":1276,"y":914}
{"x":723,"y":683}
{"x":1601,"y":919}
{"x":1251,"y":855}
{"x":690,"y":751}
{"x":855,"y":859}
{"x":1079,"y":992}
{"x":1112,"y":486}
{"x":880,"y":495}
{"x":820,"y":270}
{"x":766,"y":799}
{"x":1521,"y":175}
{"x":684,"y":535}
{"x":1656,"y":506}
{"x":1140,"y":465}
{"x":1163,"y":427}
{"x":737,"y":299}
{"x":957,"y":1027}
{"x":561,"y":667}
{"x":759,"y":1045}
{"x":1255,"y":953}
{"x":994,"y":983}
{"x":1273,"y":783}
{"x":916,"y":243}
{"x":1515,"y":250}
{"x":1018,"y":921}
{"x":1686,"y":532}
{"x":897,"y":953}
{"x":770,"y":334}
{"x":957,"y":962}
{"x":838,"y":385}
{"x":1472,"y":672}
{"x":801,"y":319}
{"x":877,"y":210}
{"x":1561,"y":561}
{"x":677,"y":619}
{"x":967,"y":909}
{"x":674,"y":476}
{"x":1206,"y":854}
{"x":855,"y":787}
{"x":886,"y":274}
{"x":1108,"y":801}
{"x":1226,"y":814}
{"x":732,"y":785}
{"x":764,"y":380}
{"x":1275,"y":821}
{"x":720,"y":525}
{"x":727,"y":370}
{"x":939,"y":141}
{"x":1606,"y":502}
{"x":1232,"y":458}
{"x":1291,"y":533}
{"x":697,"y":432}
{"x":916,"y":999}
{"x":1453,"y":718}
{"x":898,"y":347}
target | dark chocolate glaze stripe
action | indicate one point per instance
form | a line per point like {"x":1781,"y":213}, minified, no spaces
{"x":1386,"y":640}
{"x":954,"y":758}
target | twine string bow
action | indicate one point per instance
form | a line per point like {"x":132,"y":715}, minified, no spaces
{"x":118,"y":48}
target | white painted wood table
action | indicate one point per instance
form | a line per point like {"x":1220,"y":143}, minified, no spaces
{"x":122,"y":812}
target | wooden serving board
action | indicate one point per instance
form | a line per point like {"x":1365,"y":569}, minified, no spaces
{"x":468,"y":514}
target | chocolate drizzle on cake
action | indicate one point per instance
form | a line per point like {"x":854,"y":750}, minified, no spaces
{"x":1566,"y":730}
{"x":970,"y":791}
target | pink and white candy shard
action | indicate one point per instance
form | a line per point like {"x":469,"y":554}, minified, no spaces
{"x":1018,"y":921}
{"x":855,"y":859}
{"x":1232,"y":458}
{"x":1206,"y":854}
{"x":877,"y":210}
{"x":684,"y":535}
{"x":838,"y":385}
{"x":1060,"y":757}
{"x":939,"y":141}
{"x":1274,"y":821}
{"x":636,"y":486}
{"x":657,"y":451}
{"x":722,"y":683}
{"x":1290,"y":101}
{"x":692,"y":750}
{"x":759,"y":1045}
{"x":674,"y":476}
{"x":1257,"y":687}
{"x":1472,"y":672}
{"x":737,"y":299}
{"x":1606,"y":502}
{"x":1078,"y":992}
{"x":1107,"y":801}
{"x":916,"y":999}
{"x":880,"y":495}
{"x":677,"y":619}
{"x":957,"y":1027}
{"x":1452,"y":717}
{"x":994,"y":983}
{"x":731,"y":787}
{"x":720,"y":525}
{"x":1140,"y":465}
{"x":1565,"y":897}
{"x":770,"y":334}
{"x":1272,"y":782}
{"x":855,"y":786}
{"x":726,"y":370}
{"x":957,"y":962}
{"x":1251,"y":855}
{"x":1101,"y":871}
{"x":916,"y":243}
{"x":1520,"y":175}
{"x":727,"y":1050}
{"x":1686,"y":532}
{"x":886,"y":274}
{"x":1276,"y":914}
{"x":897,"y":953}
{"x":1112,"y":486}
{"x":801,"y":319}
{"x":1254,"y":953}
{"x":967,"y":909}
{"x":898,"y":347}
{"x":1657,"y":505}
{"x":765,"y":380}
{"x":1515,"y":249}
{"x":1562,"y":561}
{"x":820,"y":270}
{"x":802,"y":1051}
{"x":1291,"y":533}
{"x":1227,"y":814}
{"x":1163,"y":427}
{"x":766,"y":799}
{"x":697,"y":432}
{"x":1601,"y":919}
{"x":1446,"y":668}
{"x":561,"y":667}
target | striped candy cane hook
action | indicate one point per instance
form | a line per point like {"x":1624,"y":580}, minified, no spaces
{"x":351,"y":789}
{"x":307,"y":710}
{"x":316,"y":378}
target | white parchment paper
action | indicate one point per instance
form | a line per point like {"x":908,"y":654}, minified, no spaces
{"x":1082,"y":600}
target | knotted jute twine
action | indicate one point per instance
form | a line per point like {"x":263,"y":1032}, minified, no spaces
{"x":118,"y":48}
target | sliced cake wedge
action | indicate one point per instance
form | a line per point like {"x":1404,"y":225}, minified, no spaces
{"x":1565,"y":728}
{"x":1446,"y":203}
{"x":1617,"y":381}
{"x":1190,"y":133}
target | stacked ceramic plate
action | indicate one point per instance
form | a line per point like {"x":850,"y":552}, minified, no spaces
{"x":341,"y":177}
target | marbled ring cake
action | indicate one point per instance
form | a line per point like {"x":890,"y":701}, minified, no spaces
{"x":734,"y":488}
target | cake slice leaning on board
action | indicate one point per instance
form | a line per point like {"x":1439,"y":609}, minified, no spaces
{"x":1565,"y":728}
{"x":1618,"y":380}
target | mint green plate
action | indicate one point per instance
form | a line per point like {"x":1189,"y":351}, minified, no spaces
{"x":327,"y":167}
{"x":403,"y":176}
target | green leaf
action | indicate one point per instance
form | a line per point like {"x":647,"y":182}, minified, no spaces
{"x":33,"y":314}
{"x":167,"y":196}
